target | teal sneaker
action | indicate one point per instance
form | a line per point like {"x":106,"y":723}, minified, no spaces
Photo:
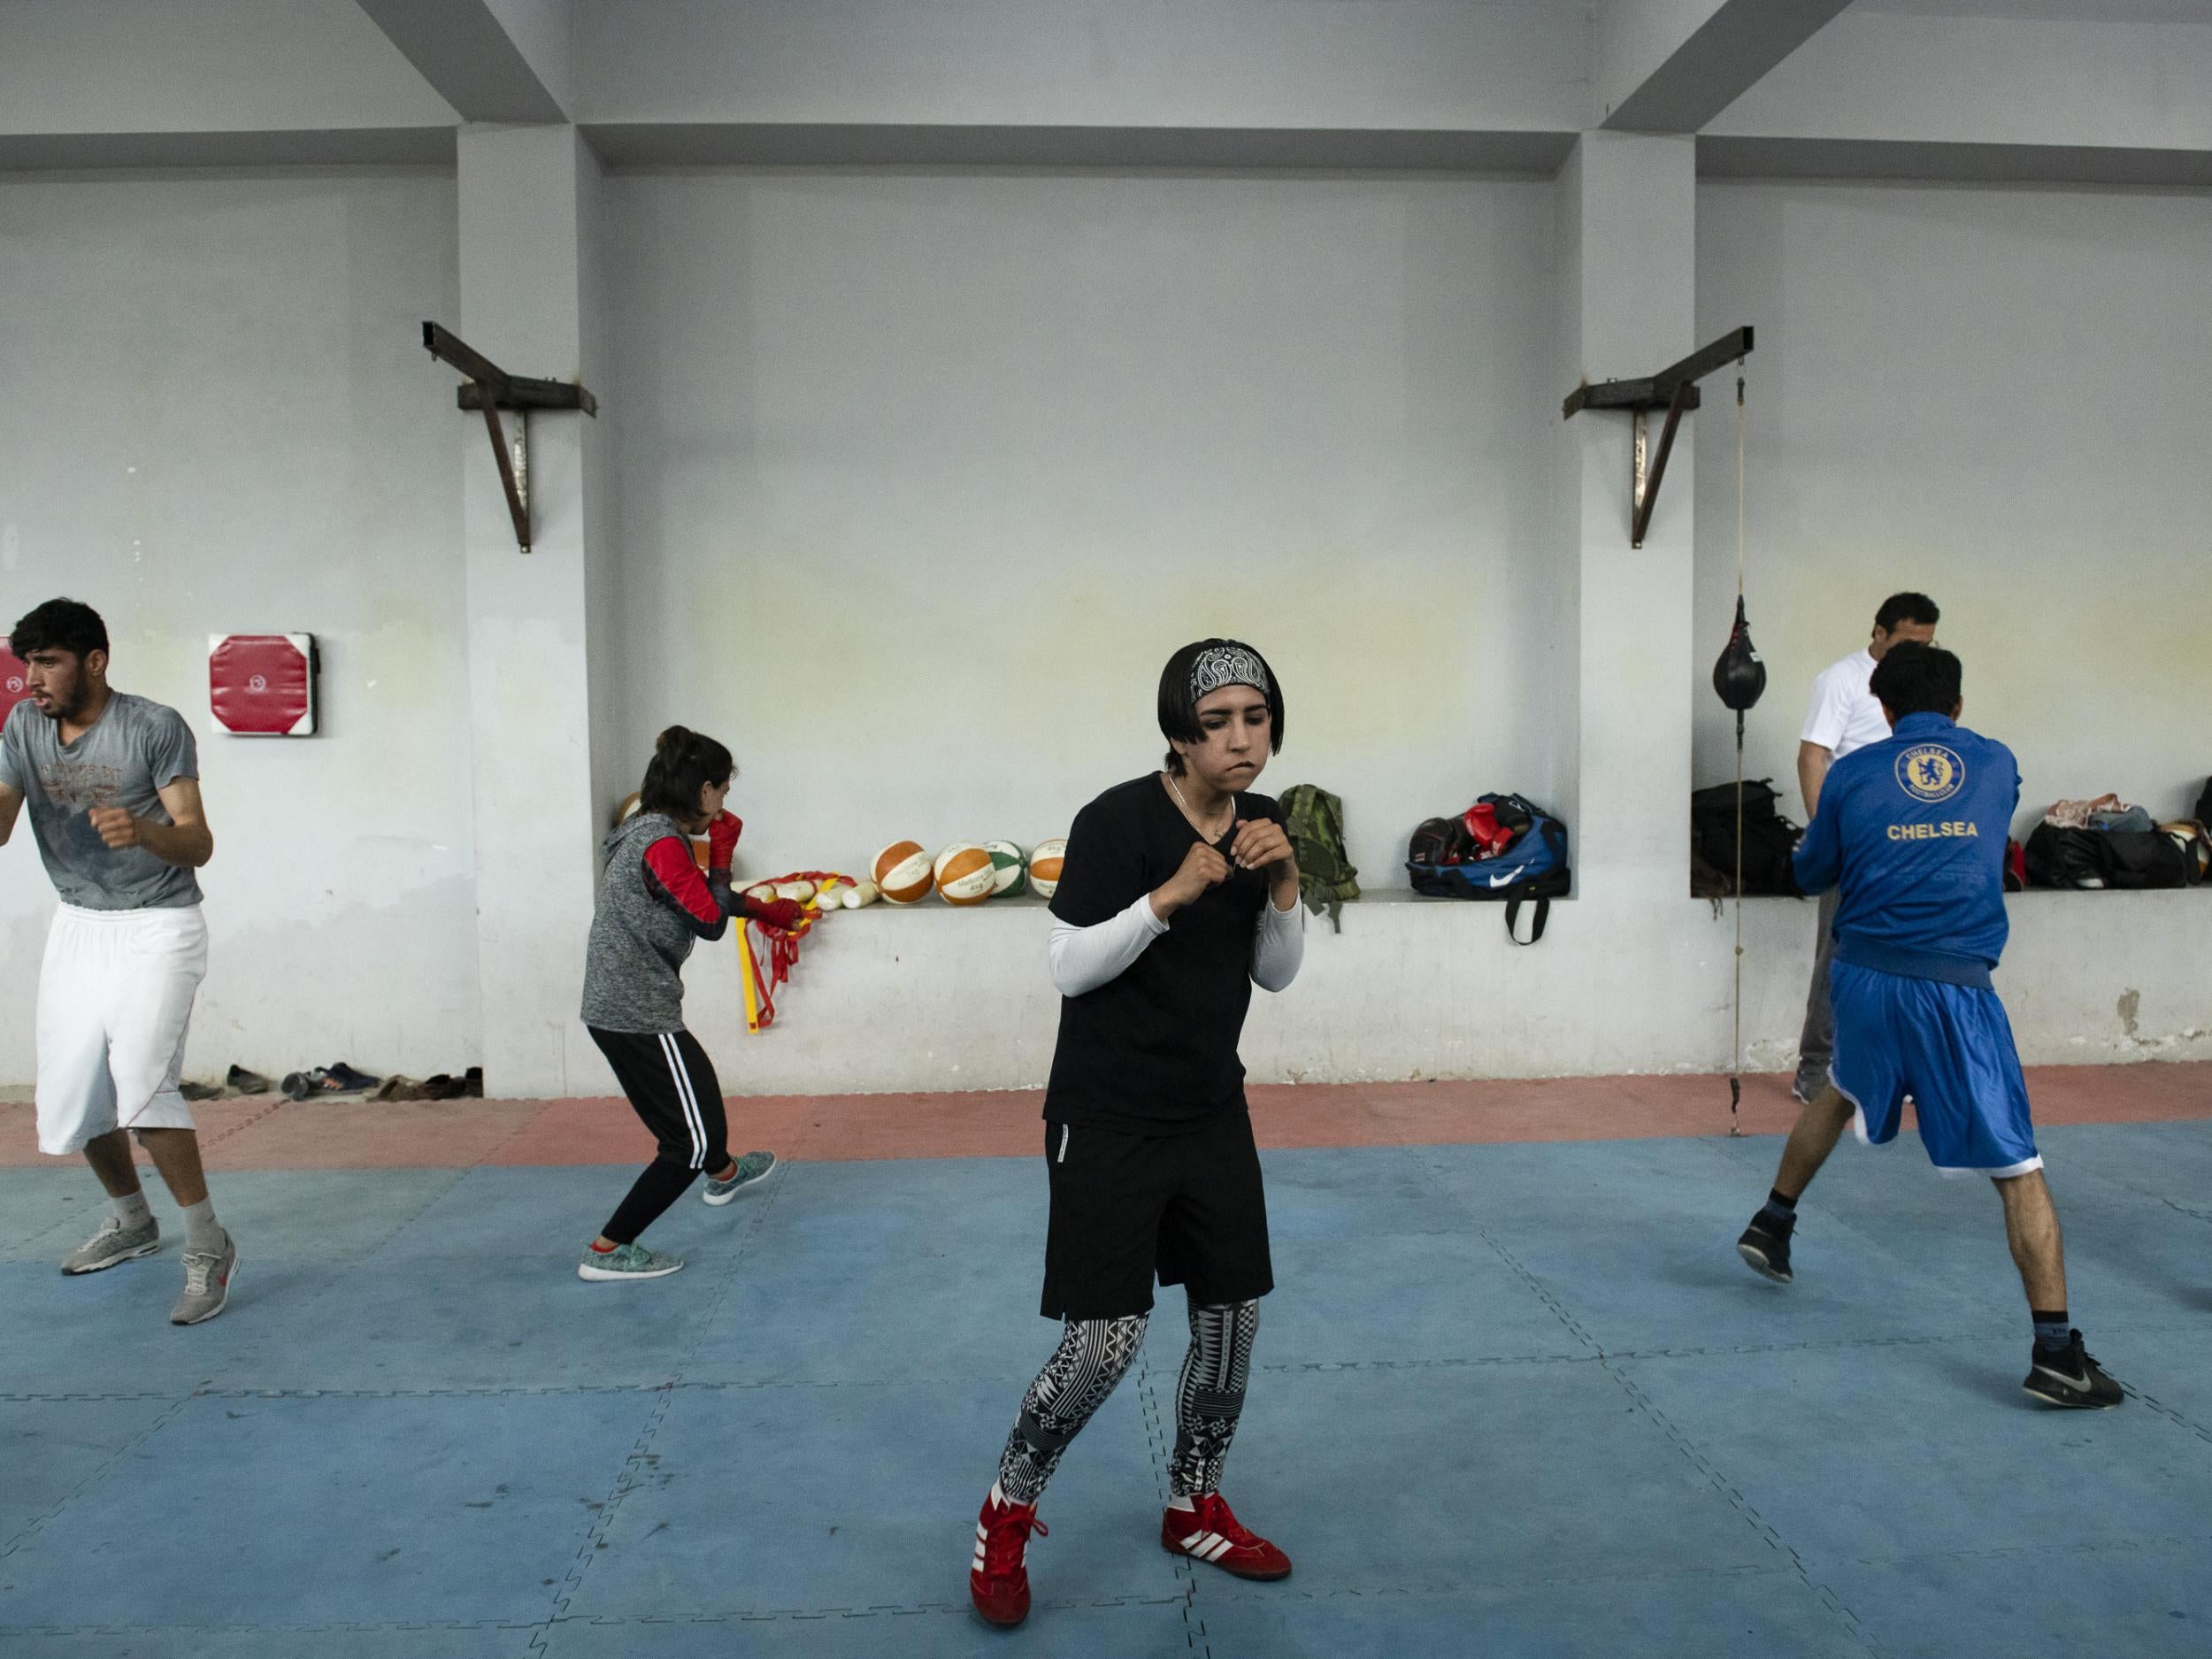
{"x":627,"y":1260}
{"x":754,"y":1166}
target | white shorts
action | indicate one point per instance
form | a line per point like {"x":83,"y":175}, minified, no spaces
{"x":114,"y":1000}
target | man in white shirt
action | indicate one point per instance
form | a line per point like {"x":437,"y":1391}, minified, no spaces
{"x":1844,"y":716}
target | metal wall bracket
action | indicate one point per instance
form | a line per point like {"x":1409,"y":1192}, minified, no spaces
{"x":1674,"y":389}
{"x":489,"y":389}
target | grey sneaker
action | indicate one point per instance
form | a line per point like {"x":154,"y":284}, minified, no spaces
{"x":629,"y":1261}
{"x":207,"y":1277}
{"x":752,"y":1167}
{"x":114,"y":1244}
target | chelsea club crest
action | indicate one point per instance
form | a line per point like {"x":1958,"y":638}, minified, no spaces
{"x":1931,"y":773}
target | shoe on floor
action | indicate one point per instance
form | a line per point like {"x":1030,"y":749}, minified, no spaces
{"x":998,"y":1579}
{"x":627,"y":1260}
{"x":327,"y":1079}
{"x":1766,"y":1248}
{"x":248,"y":1082}
{"x":207,"y":1280}
{"x":1208,"y":1532}
{"x":2071,"y":1377}
{"x":113,"y":1244}
{"x":754,"y":1166}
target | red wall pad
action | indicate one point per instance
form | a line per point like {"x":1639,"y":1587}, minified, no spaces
{"x":262,"y":684}
{"x":14,"y":685}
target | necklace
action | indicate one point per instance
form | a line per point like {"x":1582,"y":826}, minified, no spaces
{"x":1211,"y":836}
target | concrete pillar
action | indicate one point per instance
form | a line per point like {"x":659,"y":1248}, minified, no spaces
{"x":528,"y":210}
{"x":1628,"y":229}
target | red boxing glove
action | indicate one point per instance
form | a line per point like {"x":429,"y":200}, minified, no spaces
{"x":784,"y":914}
{"x":722,"y":840}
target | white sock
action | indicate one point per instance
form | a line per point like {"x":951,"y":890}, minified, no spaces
{"x":132,"y":1209}
{"x":202,"y":1232}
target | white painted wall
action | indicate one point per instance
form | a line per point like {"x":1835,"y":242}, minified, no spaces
{"x":218,"y":418}
{"x":1967,"y":391}
{"x":2088,"y":80}
{"x":924,"y":477}
{"x":1499,"y":64}
{"x":939,"y":999}
{"x":228,"y":66}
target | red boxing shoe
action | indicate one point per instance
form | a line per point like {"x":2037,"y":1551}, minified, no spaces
{"x":1208,"y":1532}
{"x":999,"y":1580}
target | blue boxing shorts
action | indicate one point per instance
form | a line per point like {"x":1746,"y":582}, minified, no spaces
{"x":1947,"y":1046}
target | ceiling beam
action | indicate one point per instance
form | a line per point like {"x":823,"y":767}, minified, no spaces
{"x":621,"y":145}
{"x":492,"y":60}
{"x":1672,"y":66}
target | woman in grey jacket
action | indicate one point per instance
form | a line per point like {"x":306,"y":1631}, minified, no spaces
{"x":653,"y":905}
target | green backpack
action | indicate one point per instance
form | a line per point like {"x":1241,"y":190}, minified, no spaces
{"x":1326,"y":877}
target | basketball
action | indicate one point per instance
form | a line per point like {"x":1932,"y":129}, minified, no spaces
{"x":1044,"y":866}
{"x":1010,"y":879}
{"x":966,"y":874}
{"x":902,"y":872}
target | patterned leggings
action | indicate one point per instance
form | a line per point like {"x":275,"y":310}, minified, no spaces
{"x":1093,"y":1355}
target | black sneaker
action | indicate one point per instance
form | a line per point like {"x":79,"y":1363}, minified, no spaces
{"x":2071,"y":1377}
{"x":1766,"y":1248}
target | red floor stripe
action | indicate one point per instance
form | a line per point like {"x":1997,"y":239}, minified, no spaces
{"x":271,"y":1134}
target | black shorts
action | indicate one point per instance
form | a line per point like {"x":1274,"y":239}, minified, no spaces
{"x":1189,"y":1208}
{"x":672,"y":1087}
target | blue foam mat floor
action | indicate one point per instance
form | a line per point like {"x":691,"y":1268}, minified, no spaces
{"x":1514,"y":1399}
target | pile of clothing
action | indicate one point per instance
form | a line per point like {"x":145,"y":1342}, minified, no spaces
{"x":2105,"y":842}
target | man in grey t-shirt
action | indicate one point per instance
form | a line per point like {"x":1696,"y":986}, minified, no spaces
{"x":113,"y":785}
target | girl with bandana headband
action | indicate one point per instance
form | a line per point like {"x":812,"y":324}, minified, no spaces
{"x":1180,"y":894}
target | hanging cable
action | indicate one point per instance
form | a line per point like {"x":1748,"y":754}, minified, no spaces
{"x":1738,"y":677}
{"x":1735,"y":1076}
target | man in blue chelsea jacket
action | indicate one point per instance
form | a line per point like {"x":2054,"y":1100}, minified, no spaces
{"x":1912,"y":832}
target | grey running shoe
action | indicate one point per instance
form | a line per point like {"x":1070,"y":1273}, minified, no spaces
{"x":207,"y":1277}
{"x":114,"y":1244}
{"x":752,"y":1167}
{"x":627,"y":1260}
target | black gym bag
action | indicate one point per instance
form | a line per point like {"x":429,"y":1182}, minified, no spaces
{"x":1769,"y":839}
{"x":2131,"y":859}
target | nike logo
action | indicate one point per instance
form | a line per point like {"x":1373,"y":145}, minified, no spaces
{"x":1505,"y":881}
